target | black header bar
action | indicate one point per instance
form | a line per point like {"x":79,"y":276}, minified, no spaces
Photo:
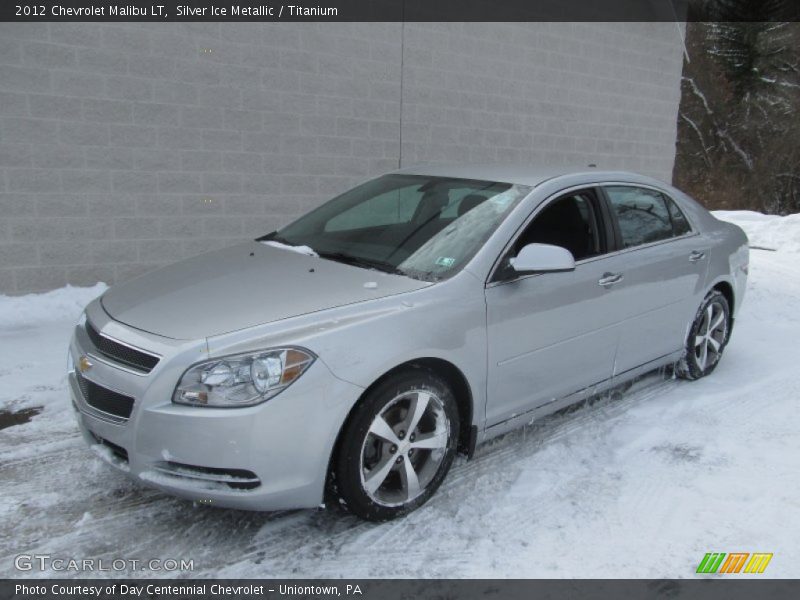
{"x":399,"y":10}
{"x":712,"y":588}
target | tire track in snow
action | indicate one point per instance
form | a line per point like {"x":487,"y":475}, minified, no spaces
{"x":474,"y":485}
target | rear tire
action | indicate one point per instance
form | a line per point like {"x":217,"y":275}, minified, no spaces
{"x":707,"y":337}
{"x":398,"y":446}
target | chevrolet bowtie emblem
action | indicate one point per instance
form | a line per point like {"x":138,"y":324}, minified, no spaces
{"x":84,"y":364}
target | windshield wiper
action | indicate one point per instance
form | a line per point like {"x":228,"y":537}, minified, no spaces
{"x":357,"y":261}
{"x":423,"y":275}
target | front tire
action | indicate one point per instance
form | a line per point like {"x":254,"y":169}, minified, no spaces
{"x":398,"y":446}
{"x":707,"y":338}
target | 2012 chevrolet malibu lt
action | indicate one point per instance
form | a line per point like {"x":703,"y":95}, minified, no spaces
{"x":351,"y":354}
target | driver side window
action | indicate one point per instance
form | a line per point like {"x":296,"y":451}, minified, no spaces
{"x":568,"y":222}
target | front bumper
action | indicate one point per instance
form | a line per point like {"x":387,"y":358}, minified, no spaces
{"x":272,"y":456}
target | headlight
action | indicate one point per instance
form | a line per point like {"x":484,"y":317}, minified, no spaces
{"x":243,"y":379}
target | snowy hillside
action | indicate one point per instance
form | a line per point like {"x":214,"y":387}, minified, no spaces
{"x":641,"y":485}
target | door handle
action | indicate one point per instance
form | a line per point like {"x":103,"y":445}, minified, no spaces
{"x":696,"y":255}
{"x":609,"y":279}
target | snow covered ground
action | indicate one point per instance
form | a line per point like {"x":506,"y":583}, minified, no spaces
{"x":637,"y":485}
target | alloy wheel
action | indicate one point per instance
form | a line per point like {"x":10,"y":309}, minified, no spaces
{"x":404,"y":447}
{"x":710,"y":336}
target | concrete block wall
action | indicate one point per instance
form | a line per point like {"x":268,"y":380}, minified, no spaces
{"x":124,"y":147}
{"x":554,"y":93}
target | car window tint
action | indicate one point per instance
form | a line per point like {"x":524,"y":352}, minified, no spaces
{"x":567,"y":222}
{"x":393,"y":207}
{"x":461,"y":200}
{"x":641,"y":213}
{"x":680,"y":225}
{"x":423,"y":226}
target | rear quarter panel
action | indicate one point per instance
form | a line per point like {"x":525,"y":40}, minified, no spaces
{"x":730,"y":258}
{"x":729,"y":254}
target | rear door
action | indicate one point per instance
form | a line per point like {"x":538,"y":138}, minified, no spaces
{"x":663,"y":264}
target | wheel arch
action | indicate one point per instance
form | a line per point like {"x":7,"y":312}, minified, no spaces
{"x":726,"y":289}
{"x":444,"y":368}
{"x":461,"y":390}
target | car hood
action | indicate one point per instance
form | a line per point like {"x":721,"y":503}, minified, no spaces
{"x":243,"y":286}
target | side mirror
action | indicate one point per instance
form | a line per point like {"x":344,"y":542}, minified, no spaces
{"x":542,"y":258}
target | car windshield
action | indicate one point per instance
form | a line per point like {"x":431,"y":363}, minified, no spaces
{"x":420,"y":226}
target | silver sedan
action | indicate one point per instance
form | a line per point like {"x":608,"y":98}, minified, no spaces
{"x":350,"y":355}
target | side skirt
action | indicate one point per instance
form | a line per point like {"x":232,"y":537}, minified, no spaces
{"x":528,"y":417}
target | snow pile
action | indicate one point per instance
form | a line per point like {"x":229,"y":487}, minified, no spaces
{"x":307,"y":250}
{"x":64,"y":304}
{"x":768,"y":232}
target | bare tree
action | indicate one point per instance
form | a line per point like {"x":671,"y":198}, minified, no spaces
{"x":738,"y":128}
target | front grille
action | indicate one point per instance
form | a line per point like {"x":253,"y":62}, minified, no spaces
{"x":104,"y":399}
{"x":135,"y":359}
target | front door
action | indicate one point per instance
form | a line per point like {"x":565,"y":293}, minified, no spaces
{"x":552,"y":334}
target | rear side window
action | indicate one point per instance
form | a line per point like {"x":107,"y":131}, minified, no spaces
{"x":642,"y":215}
{"x":680,"y":225}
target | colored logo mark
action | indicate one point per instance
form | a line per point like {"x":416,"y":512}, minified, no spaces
{"x":84,"y":364}
{"x":735,"y":562}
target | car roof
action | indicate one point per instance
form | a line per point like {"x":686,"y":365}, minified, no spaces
{"x":524,"y":175}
